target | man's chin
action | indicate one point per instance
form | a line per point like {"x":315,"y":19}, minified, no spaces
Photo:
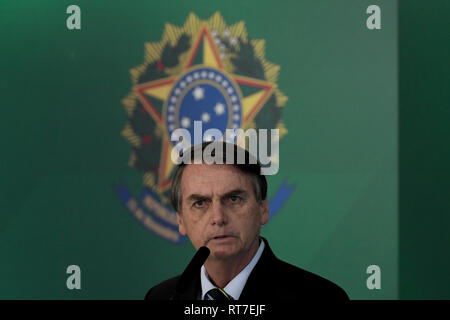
{"x":218,"y":254}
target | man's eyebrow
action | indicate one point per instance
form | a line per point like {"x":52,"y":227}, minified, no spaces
{"x":196,"y":197}
{"x":235,"y":192}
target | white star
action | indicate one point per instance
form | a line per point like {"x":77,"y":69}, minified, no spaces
{"x":219,"y":109}
{"x":185,"y":122}
{"x":236,"y":117}
{"x":233,"y":40}
{"x":226,"y":33}
{"x":205,"y":117}
{"x":198,"y":93}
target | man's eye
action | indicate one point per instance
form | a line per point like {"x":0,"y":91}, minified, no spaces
{"x":234,"y":198}
{"x":199,"y":203}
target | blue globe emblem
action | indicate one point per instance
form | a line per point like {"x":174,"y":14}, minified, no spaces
{"x":207,"y":95}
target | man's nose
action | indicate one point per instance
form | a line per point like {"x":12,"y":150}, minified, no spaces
{"x":218,"y":213}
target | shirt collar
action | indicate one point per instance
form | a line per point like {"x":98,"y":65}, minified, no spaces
{"x":236,"y":285}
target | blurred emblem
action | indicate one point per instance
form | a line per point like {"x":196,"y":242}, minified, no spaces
{"x":203,"y":71}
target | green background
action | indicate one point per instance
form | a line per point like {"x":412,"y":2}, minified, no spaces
{"x":424,"y":154}
{"x":62,"y":152}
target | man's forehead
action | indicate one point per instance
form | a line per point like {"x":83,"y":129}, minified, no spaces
{"x":214,"y":178}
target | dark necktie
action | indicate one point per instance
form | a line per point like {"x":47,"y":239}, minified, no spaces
{"x":218,"y":295}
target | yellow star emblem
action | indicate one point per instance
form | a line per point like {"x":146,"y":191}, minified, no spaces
{"x":161,"y":88}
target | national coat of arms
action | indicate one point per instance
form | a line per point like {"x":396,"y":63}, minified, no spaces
{"x":203,"y":71}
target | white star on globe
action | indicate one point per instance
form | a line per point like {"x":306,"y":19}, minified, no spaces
{"x":219,"y":109}
{"x":185,"y":122}
{"x":205,"y":117}
{"x":198,"y":93}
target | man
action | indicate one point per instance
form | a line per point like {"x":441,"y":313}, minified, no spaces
{"x":222,"y":207}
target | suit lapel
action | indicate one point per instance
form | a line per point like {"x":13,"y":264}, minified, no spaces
{"x":192,"y":290}
{"x":258,"y":283}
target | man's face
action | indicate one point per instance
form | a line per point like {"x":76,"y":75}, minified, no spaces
{"x":219,"y":210}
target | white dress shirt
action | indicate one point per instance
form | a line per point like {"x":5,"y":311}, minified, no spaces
{"x":236,"y":285}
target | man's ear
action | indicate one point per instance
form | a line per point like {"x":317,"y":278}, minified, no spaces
{"x":181,"y":227}
{"x":264,"y":212}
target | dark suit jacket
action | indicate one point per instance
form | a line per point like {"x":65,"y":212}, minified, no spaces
{"x":271,"y":279}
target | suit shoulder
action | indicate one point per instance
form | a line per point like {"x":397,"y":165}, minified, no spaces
{"x":315,"y":285}
{"x":163,"y":290}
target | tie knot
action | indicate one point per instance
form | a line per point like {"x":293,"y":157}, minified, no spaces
{"x":218,"y":295}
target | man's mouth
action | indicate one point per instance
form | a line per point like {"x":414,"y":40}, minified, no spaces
{"x":221,"y":237}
